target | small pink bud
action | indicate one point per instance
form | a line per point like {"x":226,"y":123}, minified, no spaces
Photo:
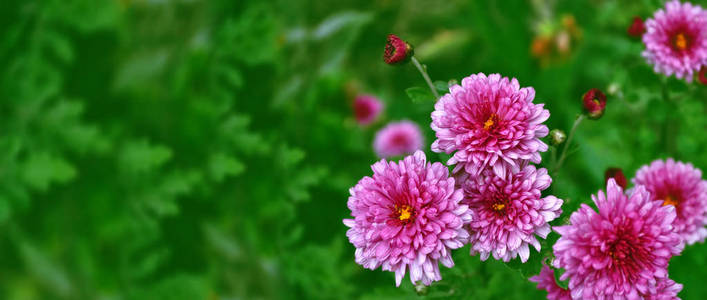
{"x":397,"y":50}
{"x":637,"y":27}
{"x":594,"y":103}
{"x":617,"y":174}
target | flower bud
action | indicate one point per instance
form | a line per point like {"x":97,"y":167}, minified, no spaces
{"x":594,"y":103}
{"x":617,"y":174}
{"x":637,"y":27}
{"x":557,"y":137}
{"x":397,"y":50}
{"x":702,"y":75}
{"x":613,"y":89}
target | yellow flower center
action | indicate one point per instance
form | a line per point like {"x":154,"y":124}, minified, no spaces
{"x":670,"y":200}
{"x":489,"y":122}
{"x":596,"y":101}
{"x":404,"y":212}
{"x":680,"y":41}
{"x":498,"y":206}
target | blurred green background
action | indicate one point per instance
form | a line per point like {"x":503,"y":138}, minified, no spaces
{"x":187,"y":149}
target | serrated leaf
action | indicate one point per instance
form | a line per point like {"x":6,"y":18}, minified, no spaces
{"x":140,"y":156}
{"x":419,"y":95}
{"x":222,"y":165}
{"x":41,"y":169}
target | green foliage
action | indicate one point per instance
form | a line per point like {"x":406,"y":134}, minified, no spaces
{"x":204,"y":149}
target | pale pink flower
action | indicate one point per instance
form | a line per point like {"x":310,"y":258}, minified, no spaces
{"x":509,"y":212}
{"x":398,"y":138}
{"x":489,"y":122}
{"x":407,"y":216}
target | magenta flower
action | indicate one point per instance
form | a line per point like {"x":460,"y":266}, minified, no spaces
{"x":398,"y":138}
{"x":407,"y":216}
{"x":508,"y":212}
{"x":366,"y":109}
{"x":489,"y":122}
{"x":622,"y":251}
{"x":546,"y":281}
{"x":666,"y":289}
{"x":679,"y":185}
{"x":676,"y":39}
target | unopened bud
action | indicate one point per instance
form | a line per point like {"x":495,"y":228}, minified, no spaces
{"x":594,"y":103}
{"x":421,"y":289}
{"x":557,"y":137}
{"x":702,"y":75}
{"x":637,"y":27}
{"x":617,"y":174}
{"x":397,"y":51}
{"x":613,"y":89}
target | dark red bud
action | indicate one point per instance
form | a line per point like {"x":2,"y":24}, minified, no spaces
{"x":397,"y":50}
{"x":637,"y":27}
{"x":617,"y":174}
{"x":593,"y":103}
{"x":702,"y":75}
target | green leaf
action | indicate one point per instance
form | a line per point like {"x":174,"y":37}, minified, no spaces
{"x":41,"y":169}
{"x":140,"y":156}
{"x":419,"y":95}
{"x":441,"y":87}
{"x":222,"y":165}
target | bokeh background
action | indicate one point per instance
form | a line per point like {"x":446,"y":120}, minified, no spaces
{"x":186,"y":149}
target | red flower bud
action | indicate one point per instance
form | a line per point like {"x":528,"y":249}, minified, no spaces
{"x":397,"y":50}
{"x":594,"y":102}
{"x":637,"y":27}
{"x":617,"y":174}
{"x":702,"y":75}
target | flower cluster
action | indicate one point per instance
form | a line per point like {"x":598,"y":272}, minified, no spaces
{"x":621,"y":250}
{"x":493,"y":128}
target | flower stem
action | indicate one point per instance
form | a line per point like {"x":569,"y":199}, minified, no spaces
{"x":563,"y":154}
{"x":423,"y":71}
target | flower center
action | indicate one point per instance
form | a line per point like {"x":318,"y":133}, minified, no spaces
{"x":404,"y":212}
{"x":498,"y":206}
{"x":670,"y":200}
{"x":490,"y":122}
{"x":680,"y":41}
{"x":596,"y":102}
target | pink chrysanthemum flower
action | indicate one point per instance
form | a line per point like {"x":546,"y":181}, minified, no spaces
{"x":398,"y":138}
{"x":676,"y":39}
{"x":407,"y":216}
{"x":680,"y":185}
{"x":622,"y":251}
{"x":546,"y":281}
{"x":508,"y":212}
{"x":489,"y":122}
{"x":366,"y":109}
{"x":666,"y":289}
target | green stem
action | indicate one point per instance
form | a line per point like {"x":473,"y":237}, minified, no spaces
{"x":563,"y":154}
{"x":423,"y":71}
